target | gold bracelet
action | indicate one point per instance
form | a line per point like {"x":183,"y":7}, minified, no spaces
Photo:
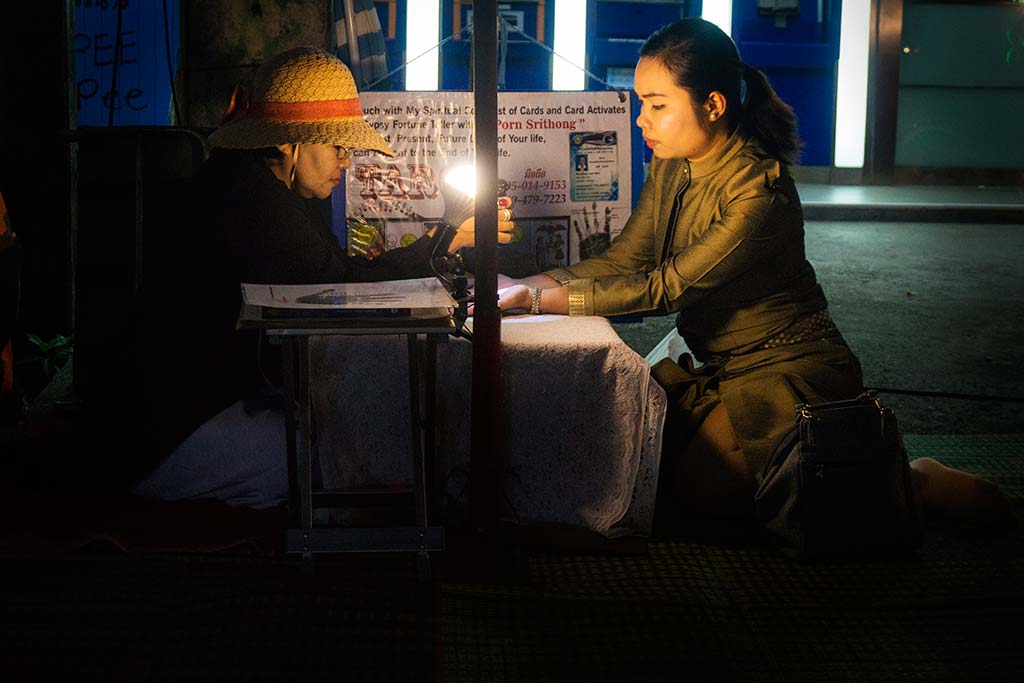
{"x":577,"y":303}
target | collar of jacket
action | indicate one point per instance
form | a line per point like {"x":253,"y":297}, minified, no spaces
{"x":710,"y":164}
{"x":678,"y":174}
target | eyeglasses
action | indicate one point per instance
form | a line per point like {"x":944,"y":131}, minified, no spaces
{"x":343,"y":152}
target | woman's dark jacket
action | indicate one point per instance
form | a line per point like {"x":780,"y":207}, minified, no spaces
{"x":242,"y":224}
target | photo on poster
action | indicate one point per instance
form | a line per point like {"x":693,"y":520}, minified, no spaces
{"x":593,"y":229}
{"x":550,"y":237}
{"x":401,"y":232}
{"x":538,"y":244}
{"x":594,"y":166}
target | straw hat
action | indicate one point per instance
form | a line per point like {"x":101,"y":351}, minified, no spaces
{"x":300,"y":95}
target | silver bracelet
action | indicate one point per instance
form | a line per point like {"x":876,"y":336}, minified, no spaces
{"x":535,"y":305}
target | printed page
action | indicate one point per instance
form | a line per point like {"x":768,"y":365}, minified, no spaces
{"x":420,"y":293}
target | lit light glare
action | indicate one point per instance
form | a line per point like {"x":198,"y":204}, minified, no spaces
{"x":570,"y":45}
{"x":852,"y":92}
{"x":719,"y":13}
{"x":463,"y":179}
{"x":422,"y":32}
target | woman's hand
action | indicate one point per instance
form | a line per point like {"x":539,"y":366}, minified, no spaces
{"x":465,"y":236}
{"x":511,"y":296}
{"x":516,"y":297}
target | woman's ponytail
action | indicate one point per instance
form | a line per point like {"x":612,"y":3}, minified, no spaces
{"x":768,"y":119}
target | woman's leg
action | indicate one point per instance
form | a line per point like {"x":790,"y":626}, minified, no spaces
{"x":711,"y":477}
{"x":954,"y":495}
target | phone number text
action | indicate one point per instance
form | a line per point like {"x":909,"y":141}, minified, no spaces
{"x":537,"y":185}
{"x":540,"y":198}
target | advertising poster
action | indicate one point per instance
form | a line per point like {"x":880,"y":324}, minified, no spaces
{"x":565,"y":157}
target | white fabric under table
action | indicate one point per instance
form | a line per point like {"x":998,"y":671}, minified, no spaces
{"x":581,"y":430}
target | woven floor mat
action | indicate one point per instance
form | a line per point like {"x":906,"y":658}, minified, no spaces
{"x":682,"y":611}
{"x":737,"y":611}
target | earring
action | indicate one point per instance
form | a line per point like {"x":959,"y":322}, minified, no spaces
{"x":295,"y":164}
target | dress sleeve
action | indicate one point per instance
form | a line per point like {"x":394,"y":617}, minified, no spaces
{"x":402,"y":263}
{"x":297,"y":248}
{"x":757,"y":216}
{"x":758,"y":219}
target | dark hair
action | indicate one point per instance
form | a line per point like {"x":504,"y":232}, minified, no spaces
{"x":268,"y":153}
{"x":703,"y":59}
{"x":256,"y":153}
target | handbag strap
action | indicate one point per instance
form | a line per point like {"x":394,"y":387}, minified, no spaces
{"x":870,"y":397}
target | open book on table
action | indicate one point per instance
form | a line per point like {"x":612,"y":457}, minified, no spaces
{"x":423,"y":299}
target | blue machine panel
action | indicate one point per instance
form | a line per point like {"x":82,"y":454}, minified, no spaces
{"x":615,"y":33}
{"x":798,"y":49}
{"x":522,"y":64}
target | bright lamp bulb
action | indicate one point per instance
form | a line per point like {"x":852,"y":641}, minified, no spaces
{"x":463,"y":179}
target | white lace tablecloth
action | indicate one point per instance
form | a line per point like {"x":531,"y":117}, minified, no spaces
{"x":582,"y":427}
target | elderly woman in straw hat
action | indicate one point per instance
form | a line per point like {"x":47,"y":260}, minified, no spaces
{"x":291,"y":143}
{"x":214,"y":397}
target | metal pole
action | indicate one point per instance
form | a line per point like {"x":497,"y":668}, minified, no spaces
{"x":485,"y":464}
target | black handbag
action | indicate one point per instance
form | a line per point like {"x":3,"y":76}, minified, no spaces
{"x":838,"y":484}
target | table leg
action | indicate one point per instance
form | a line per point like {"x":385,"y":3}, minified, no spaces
{"x":288,"y":354}
{"x":416,"y":435}
{"x":305,"y":445}
{"x":419,"y":484}
{"x":302,"y":536}
{"x":437,"y":467}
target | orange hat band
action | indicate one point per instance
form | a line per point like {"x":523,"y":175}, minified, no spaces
{"x":305,"y":111}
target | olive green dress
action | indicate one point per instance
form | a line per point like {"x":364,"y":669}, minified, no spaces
{"x":721,"y":242}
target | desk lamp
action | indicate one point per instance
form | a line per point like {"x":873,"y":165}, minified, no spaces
{"x":458,"y":189}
